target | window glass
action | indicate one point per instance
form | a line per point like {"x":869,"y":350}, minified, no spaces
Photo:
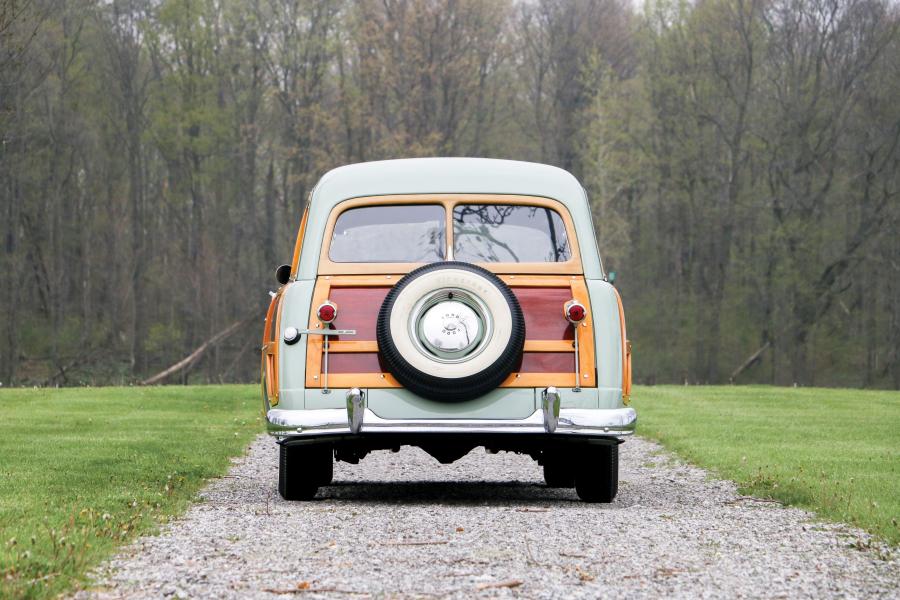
{"x":403,"y":233}
{"x":508,"y":233}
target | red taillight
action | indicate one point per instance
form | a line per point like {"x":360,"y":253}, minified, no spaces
{"x":327,"y":311}
{"x":575,"y":311}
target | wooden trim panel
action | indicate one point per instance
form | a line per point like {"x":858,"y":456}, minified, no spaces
{"x":575,"y":284}
{"x":587,"y":360}
{"x":355,"y":346}
{"x":270,"y":348}
{"x":314,"y":345}
{"x":626,"y":351}
{"x":571,"y":266}
{"x":538,"y":281}
{"x":528,"y":380}
{"x":390,"y":278}
{"x":362,"y":380}
{"x":295,"y":261}
{"x":530,"y":346}
{"x":386,"y":380}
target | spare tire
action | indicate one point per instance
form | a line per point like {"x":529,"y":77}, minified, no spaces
{"x":450,"y":331}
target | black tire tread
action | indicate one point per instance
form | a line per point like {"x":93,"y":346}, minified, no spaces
{"x":301,"y":470}
{"x":559,"y":470}
{"x":598,"y":479}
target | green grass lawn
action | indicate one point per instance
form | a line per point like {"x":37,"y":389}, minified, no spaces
{"x":83,"y":470}
{"x":836,"y":452}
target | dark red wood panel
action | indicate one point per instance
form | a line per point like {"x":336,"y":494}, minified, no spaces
{"x":532,"y":362}
{"x":547,"y":362}
{"x":543,"y":309}
{"x":358,"y":309}
{"x":354,"y":362}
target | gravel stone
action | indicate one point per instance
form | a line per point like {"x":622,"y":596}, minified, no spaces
{"x":401,"y":525}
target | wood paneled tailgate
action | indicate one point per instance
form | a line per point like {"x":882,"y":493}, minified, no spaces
{"x":549,"y":357}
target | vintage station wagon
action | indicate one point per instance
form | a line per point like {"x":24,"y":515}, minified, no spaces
{"x":447,"y":303}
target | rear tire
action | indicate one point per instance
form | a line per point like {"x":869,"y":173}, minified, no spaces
{"x":327,"y":469}
{"x":302,"y":469}
{"x":598,"y":479}
{"x":559,"y":472}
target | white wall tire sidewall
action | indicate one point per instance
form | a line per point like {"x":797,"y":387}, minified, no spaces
{"x":475,"y":284}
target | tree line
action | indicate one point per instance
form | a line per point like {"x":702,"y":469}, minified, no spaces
{"x":741,"y":157}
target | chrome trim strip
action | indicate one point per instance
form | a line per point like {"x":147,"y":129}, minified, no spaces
{"x":327,"y":332}
{"x":613,"y":422}
{"x":325,"y":389}
{"x":577,"y":387}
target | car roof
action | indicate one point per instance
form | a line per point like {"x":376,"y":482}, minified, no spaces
{"x":448,"y":176}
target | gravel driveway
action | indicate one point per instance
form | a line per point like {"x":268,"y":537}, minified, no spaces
{"x":402,"y":525}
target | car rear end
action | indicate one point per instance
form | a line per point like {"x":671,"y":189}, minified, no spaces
{"x":449,"y":321}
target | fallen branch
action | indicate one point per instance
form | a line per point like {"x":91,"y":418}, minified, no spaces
{"x":749,"y":362}
{"x":186,"y":363}
{"x":312,"y":590}
{"x":500,"y":584}
{"x":424,"y":543}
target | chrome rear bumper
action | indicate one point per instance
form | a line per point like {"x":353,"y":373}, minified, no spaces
{"x":357,"y":418}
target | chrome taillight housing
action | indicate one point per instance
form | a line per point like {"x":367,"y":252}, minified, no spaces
{"x":575,"y":311}
{"x":327,"y":312}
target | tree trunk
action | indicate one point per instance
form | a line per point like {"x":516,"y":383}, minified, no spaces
{"x":138,"y":223}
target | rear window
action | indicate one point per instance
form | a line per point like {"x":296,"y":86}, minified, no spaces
{"x":403,"y":233}
{"x":508,"y":233}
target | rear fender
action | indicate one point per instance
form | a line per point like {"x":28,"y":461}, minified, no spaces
{"x":295,"y":306}
{"x":609,"y":342}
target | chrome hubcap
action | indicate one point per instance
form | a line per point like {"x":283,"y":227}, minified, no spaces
{"x":450,"y":325}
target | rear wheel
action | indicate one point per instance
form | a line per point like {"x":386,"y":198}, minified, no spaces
{"x":302,"y":469}
{"x":326,"y":468}
{"x":597,"y":480}
{"x":559,"y":472}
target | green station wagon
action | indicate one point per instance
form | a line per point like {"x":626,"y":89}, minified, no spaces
{"x":447,"y":303}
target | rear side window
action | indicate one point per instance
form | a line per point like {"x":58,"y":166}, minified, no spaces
{"x":485,"y":233}
{"x":403,"y":233}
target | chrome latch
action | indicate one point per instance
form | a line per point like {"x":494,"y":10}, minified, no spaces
{"x":327,"y":333}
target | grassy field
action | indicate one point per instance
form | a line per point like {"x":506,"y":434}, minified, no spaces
{"x":83,"y":470}
{"x":836,"y":452}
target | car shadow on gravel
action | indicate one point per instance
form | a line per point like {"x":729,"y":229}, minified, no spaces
{"x":450,"y":492}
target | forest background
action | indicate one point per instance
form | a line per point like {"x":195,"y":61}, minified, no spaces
{"x":741,"y":157}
